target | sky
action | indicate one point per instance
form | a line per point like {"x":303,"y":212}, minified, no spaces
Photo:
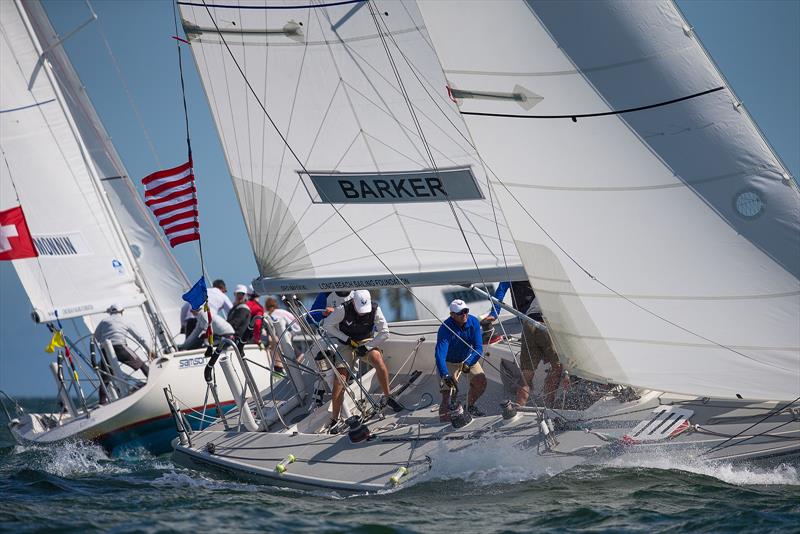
{"x":756,"y":44}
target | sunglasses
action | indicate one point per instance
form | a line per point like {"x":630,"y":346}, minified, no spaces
{"x":465,"y":311}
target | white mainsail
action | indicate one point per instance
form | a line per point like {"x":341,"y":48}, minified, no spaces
{"x":664,"y":242}
{"x":163,"y":277}
{"x":82,"y":267}
{"x":324,"y":75}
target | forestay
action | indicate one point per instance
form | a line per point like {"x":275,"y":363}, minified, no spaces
{"x":325,"y":77}
{"x":82,"y":266}
{"x":664,"y":242}
{"x":163,"y":277}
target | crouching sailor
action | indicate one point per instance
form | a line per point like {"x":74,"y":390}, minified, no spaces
{"x":359,"y":324}
{"x":459,"y":346}
{"x":114,"y":329}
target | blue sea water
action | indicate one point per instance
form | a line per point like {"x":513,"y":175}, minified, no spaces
{"x":76,"y":487}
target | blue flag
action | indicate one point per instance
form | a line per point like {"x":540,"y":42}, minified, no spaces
{"x":197,"y":295}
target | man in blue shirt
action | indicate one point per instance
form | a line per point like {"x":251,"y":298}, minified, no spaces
{"x":459,"y":348}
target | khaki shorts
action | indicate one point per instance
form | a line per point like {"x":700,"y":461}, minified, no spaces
{"x":455,"y":370}
{"x":536,"y":347}
{"x":349,"y":354}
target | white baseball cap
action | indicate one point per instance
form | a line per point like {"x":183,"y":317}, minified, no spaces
{"x":241,"y":288}
{"x":362,"y":300}
{"x":458,"y":305}
{"x":115,"y":308}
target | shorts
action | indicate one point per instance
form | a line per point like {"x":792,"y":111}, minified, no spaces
{"x":454,"y":369}
{"x":536,"y":347}
{"x":349,"y":354}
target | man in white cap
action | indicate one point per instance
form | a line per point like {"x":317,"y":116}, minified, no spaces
{"x":360,"y":325}
{"x":239,"y":316}
{"x":459,"y":346}
{"x":114,"y":329}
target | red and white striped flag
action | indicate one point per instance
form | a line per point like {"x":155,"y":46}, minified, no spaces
{"x":172,"y":197}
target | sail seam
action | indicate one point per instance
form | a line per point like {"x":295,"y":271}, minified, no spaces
{"x":671,"y":297}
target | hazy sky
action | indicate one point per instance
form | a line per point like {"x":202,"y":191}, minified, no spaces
{"x":755,"y":44}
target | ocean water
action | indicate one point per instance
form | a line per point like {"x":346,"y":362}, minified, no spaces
{"x":76,"y":487}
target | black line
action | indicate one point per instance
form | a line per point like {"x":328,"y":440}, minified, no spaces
{"x":586,"y":115}
{"x":308,"y":6}
{"x":36,"y":105}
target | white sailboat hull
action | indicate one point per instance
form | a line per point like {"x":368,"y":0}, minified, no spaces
{"x":142,"y":419}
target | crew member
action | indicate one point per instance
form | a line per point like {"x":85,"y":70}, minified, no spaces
{"x":459,"y":347}
{"x":239,"y":316}
{"x":359,"y":324}
{"x":114,"y":329}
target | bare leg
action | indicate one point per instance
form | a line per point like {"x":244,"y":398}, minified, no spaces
{"x":477,"y":385}
{"x":551,"y":384}
{"x":376,"y":361}
{"x":524,"y":390}
{"x":337,"y":395}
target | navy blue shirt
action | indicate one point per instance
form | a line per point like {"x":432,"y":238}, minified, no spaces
{"x":456,"y":344}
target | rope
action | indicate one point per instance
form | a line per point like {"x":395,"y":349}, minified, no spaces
{"x":771,"y":414}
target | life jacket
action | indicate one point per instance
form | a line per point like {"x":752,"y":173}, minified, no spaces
{"x":355,"y":326}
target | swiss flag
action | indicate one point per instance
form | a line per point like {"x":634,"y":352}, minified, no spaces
{"x":15,"y":238}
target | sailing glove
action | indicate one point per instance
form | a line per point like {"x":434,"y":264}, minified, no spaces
{"x":450,"y":382}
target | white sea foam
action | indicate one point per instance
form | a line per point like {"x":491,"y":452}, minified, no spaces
{"x":493,"y":462}
{"x":70,"y":459}
{"x":736,"y":474}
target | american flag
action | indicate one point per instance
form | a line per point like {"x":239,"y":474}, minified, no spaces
{"x":172,"y":197}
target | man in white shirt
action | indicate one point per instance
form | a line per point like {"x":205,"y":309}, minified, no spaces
{"x":114,"y":329}
{"x":361,"y":328}
{"x":218,"y":301}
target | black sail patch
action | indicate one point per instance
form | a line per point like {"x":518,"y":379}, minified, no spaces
{"x":440,"y":185}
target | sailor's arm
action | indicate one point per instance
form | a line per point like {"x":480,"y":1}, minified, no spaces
{"x":477,"y":343}
{"x":138,"y":337}
{"x":331,"y":324}
{"x":381,"y":330}
{"x":440,"y":352}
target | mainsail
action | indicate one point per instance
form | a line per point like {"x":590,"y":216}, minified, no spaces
{"x":659,"y":229}
{"x":82,"y":267}
{"x":339,"y":81}
{"x":163,"y":278}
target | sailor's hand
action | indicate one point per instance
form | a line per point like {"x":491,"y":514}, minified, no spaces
{"x":327,"y":311}
{"x":465,"y":368}
{"x":450,"y":382}
{"x":151,"y":354}
{"x":362,"y":350}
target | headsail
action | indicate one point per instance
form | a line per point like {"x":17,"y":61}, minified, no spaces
{"x":82,"y":267}
{"x":661,"y":232}
{"x":329,"y":79}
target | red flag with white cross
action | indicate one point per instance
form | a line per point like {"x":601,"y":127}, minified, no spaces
{"x":15,"y":238}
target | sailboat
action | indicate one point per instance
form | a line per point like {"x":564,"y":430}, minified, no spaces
{"x":399,"y":144}
{"x":96,"y":247}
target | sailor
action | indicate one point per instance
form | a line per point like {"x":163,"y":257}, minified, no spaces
{"x":537,"y":346}
{"x":325,"y":303}
{"x":219,"y":326}
{"x":114,"y":329}
{"x":187,"y":319}
{"x":239,"y":316}
{"x":218,"y":301}
{"x":360,"y":326}
{"x":459,"y":347}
